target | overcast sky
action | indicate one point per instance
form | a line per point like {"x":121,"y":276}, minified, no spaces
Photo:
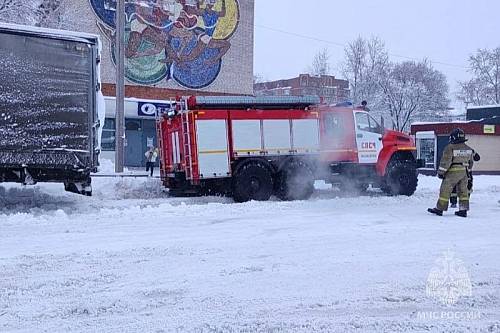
{"x":445,"y":31}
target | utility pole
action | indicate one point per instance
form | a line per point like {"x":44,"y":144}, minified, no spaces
{"x":120,"y":86}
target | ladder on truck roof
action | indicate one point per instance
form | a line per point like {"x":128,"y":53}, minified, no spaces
{"x":250,"y":102}
{"x":159,"y":137}
{"x":186,"y":140}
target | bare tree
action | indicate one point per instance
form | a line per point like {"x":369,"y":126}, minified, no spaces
{"x":414,"y":91}
{"x":401,"y":92}
{"x":484,"y":88}
{"x":19,"y":11}
{"x":321,"y":63}
{"x":257,"y":78}
{"x":366,"y":61}
{"x":354,"y":66}
{"x":49,"y":14}
{"x":376,"y":66}
{"x":473,"y":92}
{"x":31,"y":12}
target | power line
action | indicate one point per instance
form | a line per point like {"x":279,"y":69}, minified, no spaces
{"x":343,"y":45}
{"x":300,"y":36}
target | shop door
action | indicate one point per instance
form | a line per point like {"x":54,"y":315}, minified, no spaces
{"x":149,"y":137}
{"x":133,"y":150}
{"x":134,"y":156}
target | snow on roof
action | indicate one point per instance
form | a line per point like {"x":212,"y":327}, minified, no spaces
{"x":281,"y":88}
{"x":50,"y":33}
{"x":485,"y":121}
{"x":456,"y":112}
{"x":483,"y":107}
{"x":418,"y":123}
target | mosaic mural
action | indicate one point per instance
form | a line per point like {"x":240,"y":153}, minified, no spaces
{"x":180,"y":40}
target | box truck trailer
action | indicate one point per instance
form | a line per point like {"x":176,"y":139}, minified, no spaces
{"x":51,"y":107}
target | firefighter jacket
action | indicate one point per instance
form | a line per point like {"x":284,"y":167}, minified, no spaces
{"x":456,"y":158}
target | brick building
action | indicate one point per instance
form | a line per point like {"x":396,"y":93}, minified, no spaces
{"x":327,"y":87}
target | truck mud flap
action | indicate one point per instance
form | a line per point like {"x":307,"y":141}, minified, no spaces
{"x":79,"y":188}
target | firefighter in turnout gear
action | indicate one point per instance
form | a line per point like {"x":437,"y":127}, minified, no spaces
{"x":454,"y":169}
{"x":470,"y":186}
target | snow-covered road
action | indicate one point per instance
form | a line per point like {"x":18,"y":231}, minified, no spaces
{"x":130,"y":259}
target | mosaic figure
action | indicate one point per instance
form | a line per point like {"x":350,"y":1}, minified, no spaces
{"x":180,"y":40}
{"x":205,"y":36}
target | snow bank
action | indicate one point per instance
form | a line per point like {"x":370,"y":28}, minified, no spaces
{"x":129,"y":188}
{"x":107,"y":166}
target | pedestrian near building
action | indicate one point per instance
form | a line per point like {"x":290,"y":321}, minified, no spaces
{"x":151,"y":157}
{"x":454,"y":169}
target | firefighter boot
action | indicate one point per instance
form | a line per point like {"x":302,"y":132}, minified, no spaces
{"x":461,"y":213}
{"x":454,"y":199}
{"x":435,"y":211}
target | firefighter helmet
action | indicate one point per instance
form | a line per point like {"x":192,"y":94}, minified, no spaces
{"x":457,"y":136}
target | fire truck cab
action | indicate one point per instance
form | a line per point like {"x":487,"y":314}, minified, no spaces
{"x":254,"y":147}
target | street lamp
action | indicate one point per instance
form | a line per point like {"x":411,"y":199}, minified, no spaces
{"x":120,"y":86}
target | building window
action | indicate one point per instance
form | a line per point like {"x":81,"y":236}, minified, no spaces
{"x":303,"y":81}
{"x":108,"y":135}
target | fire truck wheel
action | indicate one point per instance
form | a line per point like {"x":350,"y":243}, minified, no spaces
{"x":401,"y":179}
{"x":253,"y":181}
{"x":296,"y":182}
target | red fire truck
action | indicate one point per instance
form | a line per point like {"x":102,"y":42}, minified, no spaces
{"x":254,"y":147}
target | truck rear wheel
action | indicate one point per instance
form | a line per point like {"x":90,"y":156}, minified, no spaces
{"x":296,"y":182}
{"x":253,"y":181}
{"x":401,"y":178}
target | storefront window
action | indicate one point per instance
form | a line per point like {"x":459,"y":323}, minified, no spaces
{"x":427,"y":151}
